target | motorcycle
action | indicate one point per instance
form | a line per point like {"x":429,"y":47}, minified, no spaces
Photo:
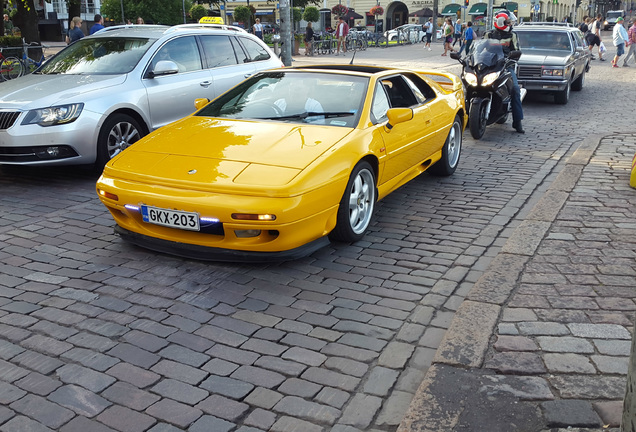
{"x":488,"y":84}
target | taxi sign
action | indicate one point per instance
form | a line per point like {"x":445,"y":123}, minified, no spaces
{"x":211,"y":20}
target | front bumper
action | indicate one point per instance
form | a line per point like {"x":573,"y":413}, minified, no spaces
{"x":543,"y":85}
{"x":205,"y":253}
{"x":66,"y":144}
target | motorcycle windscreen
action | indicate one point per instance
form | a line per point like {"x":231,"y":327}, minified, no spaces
{"x":486,"y":52}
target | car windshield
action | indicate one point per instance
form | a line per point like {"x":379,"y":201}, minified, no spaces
{"x":297,"y":97}
{"x":614,"y":14}
{"x":544,"y":40}
{"x":487,"y":52}
{"x":101,"y":56}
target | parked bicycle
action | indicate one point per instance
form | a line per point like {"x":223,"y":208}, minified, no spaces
{"x":14,"y":67}
{"x":377,"y":40}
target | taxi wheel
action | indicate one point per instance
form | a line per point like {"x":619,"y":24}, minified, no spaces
{"x":357,"y":205}
{"x":450,"y":152}
{"x":118,"y":132}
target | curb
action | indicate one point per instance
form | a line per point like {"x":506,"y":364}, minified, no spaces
{"x":467,"y":340}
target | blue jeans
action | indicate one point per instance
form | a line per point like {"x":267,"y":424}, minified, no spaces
{"x":517,"y":110}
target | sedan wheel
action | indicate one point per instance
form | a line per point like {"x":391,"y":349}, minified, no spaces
{"x":117,"y":134}
{"x":357,"y":205}
{"x":563,"y":96}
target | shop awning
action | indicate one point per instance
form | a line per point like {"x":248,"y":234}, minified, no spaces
{"x":351,"y":14}
{"x":478,"y":9}
{"x":511,"y":6}
{"x":450,"y":9}
{"x":426,"y":12}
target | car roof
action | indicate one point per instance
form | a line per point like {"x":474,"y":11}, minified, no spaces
{"x":156,"y":31}
{"x":543,"y":26}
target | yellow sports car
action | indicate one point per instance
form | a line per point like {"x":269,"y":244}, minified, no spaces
{"x":273,"y":168}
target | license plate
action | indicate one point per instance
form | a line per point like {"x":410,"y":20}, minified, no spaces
{"x":170,"y":218}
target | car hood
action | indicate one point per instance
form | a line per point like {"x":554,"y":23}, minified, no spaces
{"x":38,"y":90}
{"x":546,"y":58}
{"x":228,"y":152}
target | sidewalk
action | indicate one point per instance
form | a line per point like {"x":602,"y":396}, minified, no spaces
{"x":543,"y":339}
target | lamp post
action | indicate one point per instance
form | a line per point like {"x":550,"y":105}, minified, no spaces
{"x":123,"y":20}
{"x":184,"y":15}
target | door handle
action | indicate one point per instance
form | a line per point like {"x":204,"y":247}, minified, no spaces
{"x":205,"y":83}
{"x":247,"y":75}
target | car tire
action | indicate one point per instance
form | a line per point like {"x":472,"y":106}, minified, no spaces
{"x":393,"y":38}
{"x":450,"y":152}
{"x":118,"y":132}
{"x":357,"y":205}
{"x":577,"y":85}
{"x":563,"y":96}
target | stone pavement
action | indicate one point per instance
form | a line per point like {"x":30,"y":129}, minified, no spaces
{"x":97,"y":335}
{"x":543,"y":338}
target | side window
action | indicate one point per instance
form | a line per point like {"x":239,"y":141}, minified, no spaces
{"x":380,"y":104}
{"x":420,"y":88}
{"x":218,"y":51}
{"x":255,"y":51}
{"x":183,"y":51}
{"x":578,"y":39}
{"x":241,"y":55}
{"x":400,"y":94}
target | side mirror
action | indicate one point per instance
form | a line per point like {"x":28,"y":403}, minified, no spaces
{"x":200,"y":103}
{"x":164,"y":67}
{"x":455,"y":55}
{"x":398,"y":115}
{"x":514,"y":55}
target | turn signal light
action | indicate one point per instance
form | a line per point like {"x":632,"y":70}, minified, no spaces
{"x":108,"y":195}
{"x":253,"y":217}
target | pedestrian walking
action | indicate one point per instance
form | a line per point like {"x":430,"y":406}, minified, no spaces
{"x":258,"y":28}
{"x":619,"y":39}
{"x":75,"y":32}
{"x":8,"y":25}
{"x":594,"y":37}
{"x":309,"y":40}
{"x":458,"y":33}
{"x":99,"y":24}
{"x":469,"y":36}
{"x":342,"y":30}
{"x":447,"y":33}
{"x":631,"y":33}
{"x":429,"y":33}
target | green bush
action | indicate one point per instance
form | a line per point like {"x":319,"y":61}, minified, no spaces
{"x":10,"y":41}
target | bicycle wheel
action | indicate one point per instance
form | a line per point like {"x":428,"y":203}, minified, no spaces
{"x":383,"y":42}
{"x":11,"y":68}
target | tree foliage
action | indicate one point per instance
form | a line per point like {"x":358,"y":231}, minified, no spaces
{"x":311,"y":14}
{"x":304,"y":3}
{"x":197,"y":12}
{"x":242,"y":14}
{"x":168,"y":12}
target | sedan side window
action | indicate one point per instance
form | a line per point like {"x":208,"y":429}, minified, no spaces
{"x":218,"y":51}
{"x":255,"y":51}
{"x":380,"y":104}
{"x":183,"y":51}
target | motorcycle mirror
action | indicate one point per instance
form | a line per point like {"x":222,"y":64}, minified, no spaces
{"x":455,"y":55}
{"x":514,"y":55}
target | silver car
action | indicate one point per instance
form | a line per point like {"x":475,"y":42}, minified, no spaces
{"x":104,"y":92}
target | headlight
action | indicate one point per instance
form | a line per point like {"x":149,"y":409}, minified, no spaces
{"x":490,"y":78}
{"x":552,"y":72}
{"x":471,"y":79}
{"x":51,"y":116}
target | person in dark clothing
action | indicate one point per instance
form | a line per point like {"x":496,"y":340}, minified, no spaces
{"x":503,"y":32}
{"x":309,"y":40}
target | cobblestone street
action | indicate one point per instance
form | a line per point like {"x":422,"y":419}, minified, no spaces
{"x":98,"y":335}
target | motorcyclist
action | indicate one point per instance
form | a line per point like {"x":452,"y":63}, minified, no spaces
{"x":503,"y":23}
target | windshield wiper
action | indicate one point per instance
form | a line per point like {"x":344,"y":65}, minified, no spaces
{"x":306,"y":114}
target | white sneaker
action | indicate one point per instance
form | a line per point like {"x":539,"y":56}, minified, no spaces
{"x":429,"y":49}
